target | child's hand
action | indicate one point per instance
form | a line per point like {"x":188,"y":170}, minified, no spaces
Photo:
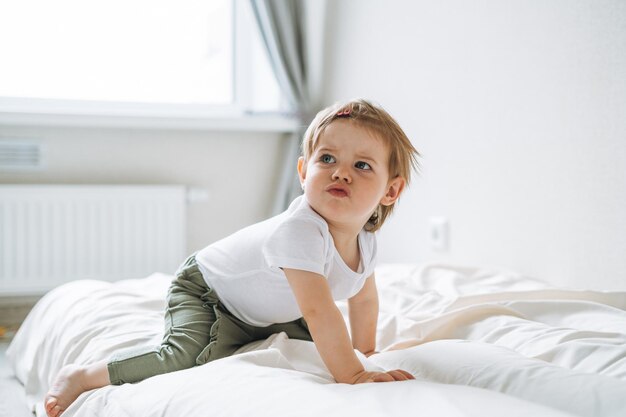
{"x":389,"y":376}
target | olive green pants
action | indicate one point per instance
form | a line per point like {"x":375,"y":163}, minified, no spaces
{"x":198,"y":329}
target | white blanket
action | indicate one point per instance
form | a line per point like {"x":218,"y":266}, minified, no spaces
{"x":480,"y":342}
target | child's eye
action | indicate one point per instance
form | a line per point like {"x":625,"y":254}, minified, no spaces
{"x":363,"y":165}
{"x":327,"y":159}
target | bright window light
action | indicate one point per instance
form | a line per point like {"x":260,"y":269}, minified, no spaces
{"x":128,"y":51}
{"x":86,"y":61}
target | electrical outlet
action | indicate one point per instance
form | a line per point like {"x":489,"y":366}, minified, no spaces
{"x":439,"y":233}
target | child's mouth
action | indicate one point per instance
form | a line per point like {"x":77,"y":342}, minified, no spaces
{"x":336,"y":192}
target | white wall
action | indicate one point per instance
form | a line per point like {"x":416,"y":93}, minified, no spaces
{"x":237,"y":169}
{"x":519,"y":110}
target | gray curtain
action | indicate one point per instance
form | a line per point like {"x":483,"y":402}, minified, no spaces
{"x":281,"y":23}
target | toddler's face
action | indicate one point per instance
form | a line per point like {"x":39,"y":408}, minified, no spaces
{"x":347,"y":175}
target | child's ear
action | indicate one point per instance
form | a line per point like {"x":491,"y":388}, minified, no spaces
{"x":394,"y":189}
{"x":301,"y":170}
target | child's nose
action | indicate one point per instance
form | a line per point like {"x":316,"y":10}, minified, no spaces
{"x":342,"y":174}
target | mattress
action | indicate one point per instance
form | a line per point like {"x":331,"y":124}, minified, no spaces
{"x":480,"y":342}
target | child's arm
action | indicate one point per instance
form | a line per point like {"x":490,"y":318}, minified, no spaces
{"x":329,"y":331}
{"x":363,"y":313}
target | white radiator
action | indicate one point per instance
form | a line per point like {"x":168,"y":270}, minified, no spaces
{"x":53,"y":234}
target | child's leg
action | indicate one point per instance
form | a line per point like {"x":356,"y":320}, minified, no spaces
{"x":297,"y":329}
{"x":188,"y":320}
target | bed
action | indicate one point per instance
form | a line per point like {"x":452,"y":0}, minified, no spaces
{"x":480,"y":341}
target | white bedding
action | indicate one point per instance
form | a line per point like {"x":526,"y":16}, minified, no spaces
{"x":481,"y":342}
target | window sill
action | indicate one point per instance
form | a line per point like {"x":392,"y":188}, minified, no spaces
{"x":242,"y":123}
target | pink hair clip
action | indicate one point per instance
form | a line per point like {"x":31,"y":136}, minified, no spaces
{"x":344,"y":112}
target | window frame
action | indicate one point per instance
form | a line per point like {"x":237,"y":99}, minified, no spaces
{"x":237,"y":115}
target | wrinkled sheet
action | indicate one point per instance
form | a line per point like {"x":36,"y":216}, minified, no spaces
{"x":481,"y":342}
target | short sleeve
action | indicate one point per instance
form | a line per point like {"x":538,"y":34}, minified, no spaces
{"x":298,"y":243}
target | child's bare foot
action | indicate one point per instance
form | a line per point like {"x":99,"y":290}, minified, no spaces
{"x":70,"y":382}
{"x":67,"y":386}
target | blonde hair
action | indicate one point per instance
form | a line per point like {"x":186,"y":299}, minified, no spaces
{"x":403,"y":157}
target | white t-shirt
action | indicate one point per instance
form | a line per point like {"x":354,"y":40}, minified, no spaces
{"x":244,"y":268}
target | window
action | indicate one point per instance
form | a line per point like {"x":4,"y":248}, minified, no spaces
{"x":133,"y":58}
